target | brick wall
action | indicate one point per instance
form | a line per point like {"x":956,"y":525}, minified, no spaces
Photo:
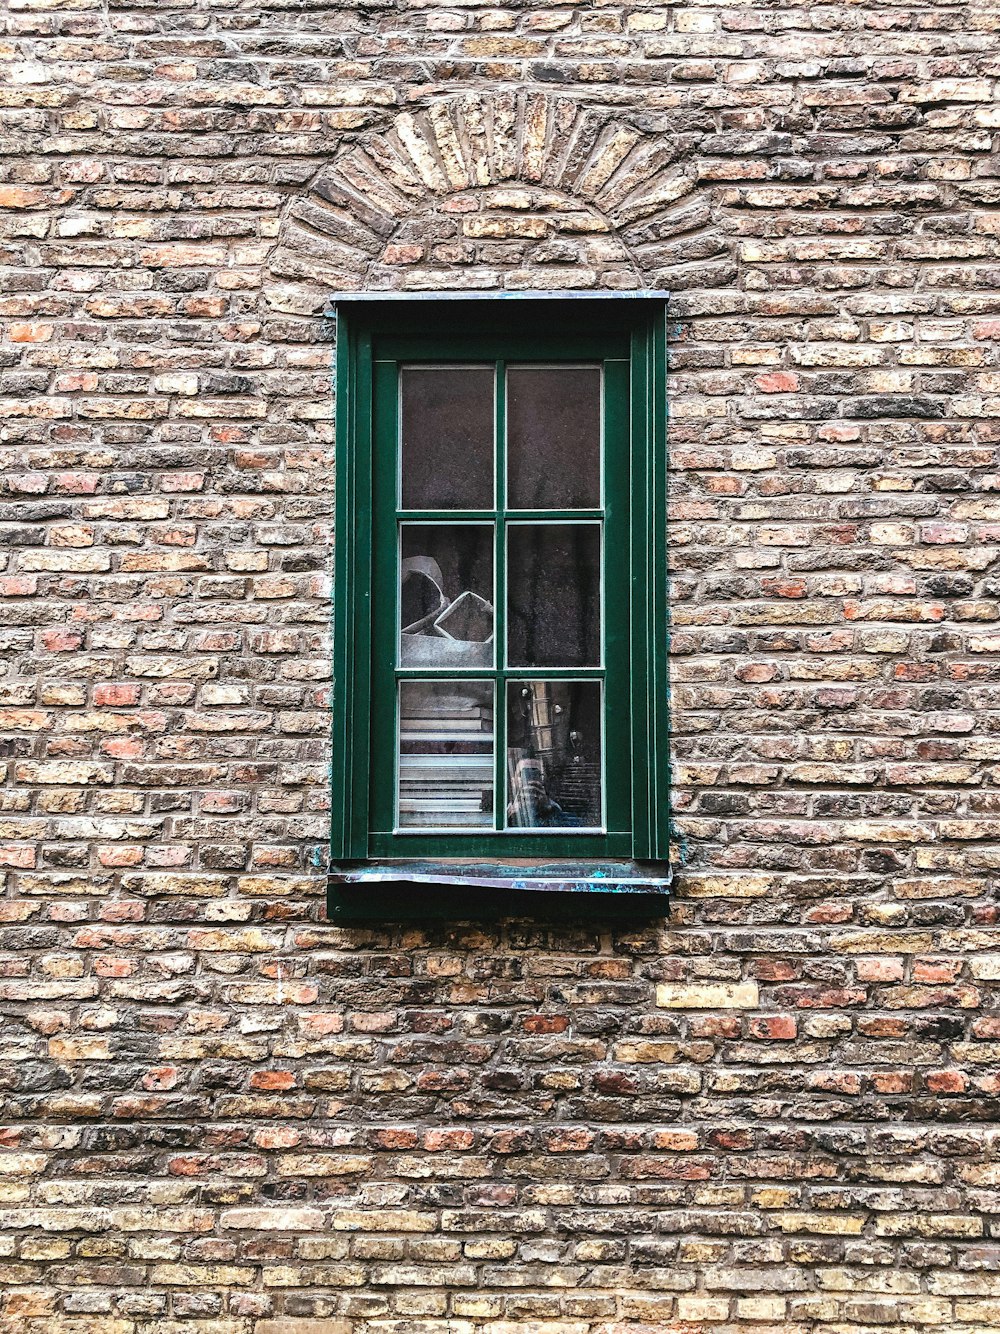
{"x":774,"y":1111}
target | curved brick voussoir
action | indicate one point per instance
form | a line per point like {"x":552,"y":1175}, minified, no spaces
{"x":499,"y":190}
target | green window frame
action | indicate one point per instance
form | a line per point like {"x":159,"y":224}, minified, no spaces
{"x":377,"y":339}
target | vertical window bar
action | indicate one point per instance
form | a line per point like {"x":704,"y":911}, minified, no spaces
{"x":500,"y":608}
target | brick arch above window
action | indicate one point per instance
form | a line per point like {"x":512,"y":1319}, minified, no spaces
{"x":505,"y":190}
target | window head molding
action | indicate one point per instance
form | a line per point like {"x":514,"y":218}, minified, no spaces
{"x":381,"y":836}
{"x":552,"y":294}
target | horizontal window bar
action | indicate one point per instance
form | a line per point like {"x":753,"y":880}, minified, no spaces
{"x":513,"y":831}
{"x":493,"y":673}
{"x":488,"y":516}
{"x":447,"y":516}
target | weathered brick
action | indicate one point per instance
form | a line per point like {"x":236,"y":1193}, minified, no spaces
{"x":738,"y":996}
{"x":774,"y":1107}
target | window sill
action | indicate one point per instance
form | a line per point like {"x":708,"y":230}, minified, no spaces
{"x":397,"y":890}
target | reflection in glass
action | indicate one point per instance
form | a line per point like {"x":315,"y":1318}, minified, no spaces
{"x":445,"y":755}
{"x":446,"y":595}
{"x":554,"y":594}
{"x":446,"y":437}
{"x":553,"y":437}
{"x":554,"y":755}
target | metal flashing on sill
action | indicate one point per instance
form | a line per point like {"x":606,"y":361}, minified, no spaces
{"x":517,"y":874}
{"x":576,"y":294}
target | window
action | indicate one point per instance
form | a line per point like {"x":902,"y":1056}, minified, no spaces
{"x":500,"y":605}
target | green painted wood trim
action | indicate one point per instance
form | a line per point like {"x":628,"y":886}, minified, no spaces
{"x":494,"y":345}
{"x":382,"y":729}
{"x":618,"y":630}
{"x":650,"y":602}
{"x":351,"y":593}
{"x":637,"y":740}
{"x":659,"y":629}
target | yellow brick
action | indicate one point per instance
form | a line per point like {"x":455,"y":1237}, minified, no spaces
{"x":708,"y":996}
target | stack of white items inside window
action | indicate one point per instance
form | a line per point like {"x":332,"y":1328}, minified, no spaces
{"x":446,"y":755}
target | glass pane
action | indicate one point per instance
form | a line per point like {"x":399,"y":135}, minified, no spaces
{"x":553,"y":437}
{"x":447,"y":437}
{"x":445,"y":755}
{"x":554,"y":594}
{"x":554,"y":755}
{"x":446,"y":595}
